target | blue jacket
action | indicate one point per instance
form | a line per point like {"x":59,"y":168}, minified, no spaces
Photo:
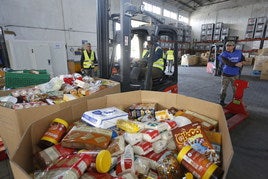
{"x":229,"y":59}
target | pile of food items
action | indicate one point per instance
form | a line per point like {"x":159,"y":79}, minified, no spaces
{"x":59,"y":89}
{"x":138,"y":142}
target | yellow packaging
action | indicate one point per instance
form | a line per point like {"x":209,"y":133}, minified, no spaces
{"x":127,"y":126}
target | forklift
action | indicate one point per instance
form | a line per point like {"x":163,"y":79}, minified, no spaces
{"x":120,"y":71}
{"x":168,"y":82}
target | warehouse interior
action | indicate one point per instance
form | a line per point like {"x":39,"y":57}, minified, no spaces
{"x":50,"y":35}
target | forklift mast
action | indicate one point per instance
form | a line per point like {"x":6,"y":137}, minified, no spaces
{"x":157,"y":28}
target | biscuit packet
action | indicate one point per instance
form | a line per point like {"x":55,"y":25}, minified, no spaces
{"x":86,"y":137}
{"x":194,"y":136}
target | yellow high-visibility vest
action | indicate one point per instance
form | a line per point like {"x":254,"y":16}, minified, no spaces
{"x":88,"y":62}
{"x":170,"y":55}
{"x":160,"y":62}
{"x":145,"y":51}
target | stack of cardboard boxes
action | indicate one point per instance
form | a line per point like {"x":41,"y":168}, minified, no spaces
{"x":189,"y":60}
{"x":261,"y":64}
{"x":13,"y":123}
{"x":2,"y":78}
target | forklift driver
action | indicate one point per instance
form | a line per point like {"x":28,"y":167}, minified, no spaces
{"x":159,"y":63}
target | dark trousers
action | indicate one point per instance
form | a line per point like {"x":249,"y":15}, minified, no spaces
{"x":89,"y":72}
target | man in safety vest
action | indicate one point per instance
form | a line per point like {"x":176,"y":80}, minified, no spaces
{"x":158,"y":68}
{"x":159,"y":62}
{"x":145,"y":52}
{"x":88,"y":60}
{"x":170,"y":59}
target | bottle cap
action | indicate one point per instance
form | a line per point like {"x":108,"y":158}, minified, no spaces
{"x":213,"y":172}
{"x":103,"y":161}
{"x":61,"y":121}
{"x":183,"y":152}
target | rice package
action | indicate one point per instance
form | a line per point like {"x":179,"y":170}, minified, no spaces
{"x":105,"y":117}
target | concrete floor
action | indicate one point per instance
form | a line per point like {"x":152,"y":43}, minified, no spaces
{"x":249,"y":138}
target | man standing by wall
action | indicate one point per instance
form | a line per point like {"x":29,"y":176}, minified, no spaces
{"x":88,"y":60}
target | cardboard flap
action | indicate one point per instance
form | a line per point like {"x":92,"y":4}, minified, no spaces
{"x":164,"y":100}
{"x":28,"y":145}
{"x":34,"y":114}
{"x":24,"y":152}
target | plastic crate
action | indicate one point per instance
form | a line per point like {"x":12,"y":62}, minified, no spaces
{"x":22,"y":78}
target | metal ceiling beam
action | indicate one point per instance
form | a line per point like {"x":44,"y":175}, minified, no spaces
{"x":198,"y":2}
{"x":178,"y":5}
{"x":213,"y":2}
{"x":186,"y":5}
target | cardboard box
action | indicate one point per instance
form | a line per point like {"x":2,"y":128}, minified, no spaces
{"x":188,"y":60}
{"x":259,"y":60}
{"x":22,"y":161}
{"x":13,"y":123}
{"x":263,"y":51}
{"x":264,"y":71}
{"x":2,"y":73}
{"x":248,"y":61}
{"x":2,"y":82}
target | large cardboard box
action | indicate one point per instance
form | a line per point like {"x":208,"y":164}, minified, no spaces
{"x":264,"y":71}
{"x":22,"y":161}
{"x":259,"y":60}
{"x":13,"y":123}
{"x":188,"y":60}
{"x":248,"y":61}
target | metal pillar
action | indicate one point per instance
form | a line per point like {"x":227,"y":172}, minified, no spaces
{"x":103,"y":37}
{"x":125,"y":25}
{"x":3,"y":49}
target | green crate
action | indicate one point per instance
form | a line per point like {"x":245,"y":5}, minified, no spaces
{"x":22,"y":78}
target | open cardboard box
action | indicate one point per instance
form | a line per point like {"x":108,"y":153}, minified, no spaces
{"x":22,"y":161}
{"x":13,"y":123}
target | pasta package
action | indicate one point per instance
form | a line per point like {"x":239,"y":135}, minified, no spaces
{"x":71,"y":166}
{"x":133,"y":139}
{"x":126,"y":162}
{"x":150,"y":135}
{"x":143,"y":148}
{"x":127,"y":126}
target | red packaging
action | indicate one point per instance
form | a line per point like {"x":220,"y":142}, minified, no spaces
{"x":71,"y":166}
{"x":93,"y":174}
{"x":150,"y":135}
{"x":143,"y":148}
{"x":68,"y":79}
{"x":125,"y":162}
{"x":171,"y":124}
{"x":49,"y":155}
{"x":154,"y":157}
